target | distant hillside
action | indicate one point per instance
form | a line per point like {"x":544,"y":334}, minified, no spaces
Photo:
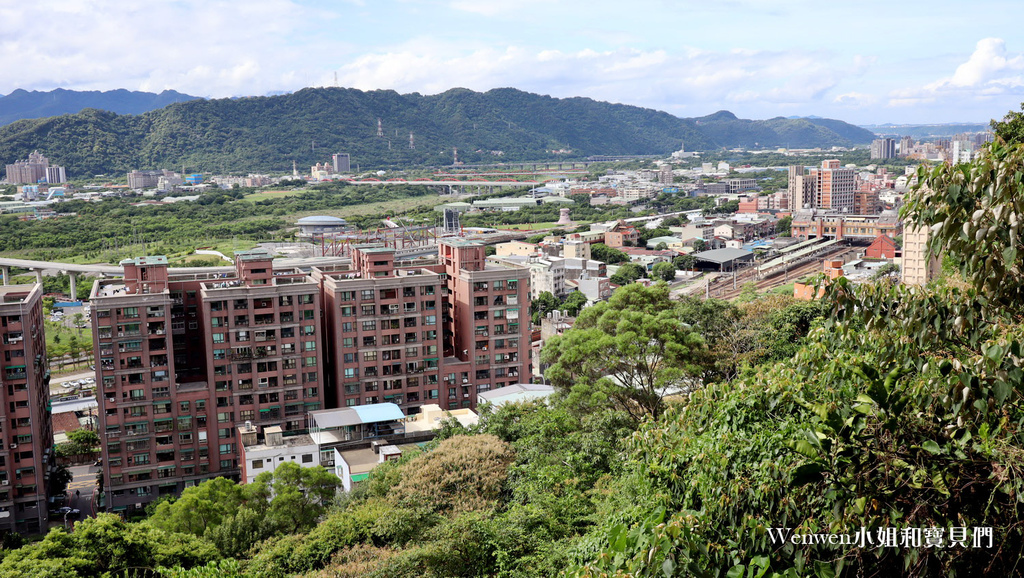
{"x":268,"y":133}
{"x":725,"y":129}
{"x":22,"y":104}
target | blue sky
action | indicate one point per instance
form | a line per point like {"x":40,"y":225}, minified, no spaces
{"x":865,"y":62}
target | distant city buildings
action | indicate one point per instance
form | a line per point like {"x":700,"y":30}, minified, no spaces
{"x":162,"y":179}
{"x":919,"y":265}
{"x":883,"y":148}
{"x":35,"y":170}
{"x":342,"y":163}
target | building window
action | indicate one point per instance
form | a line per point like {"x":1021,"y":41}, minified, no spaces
{"x":307,"y":458}
{"x":257,"y":464}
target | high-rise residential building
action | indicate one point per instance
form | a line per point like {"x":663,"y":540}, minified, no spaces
{"x":184,"y":359}
{"x":25,"y":430}
{"x":34,"y":170}
{"x":866,"y":203}
{"x":883,"y":148}
{"x":834,"y":186}
{"x":487,"y":324}
{"x":413,"y":335}
{"x":801,"y":189}
{"x":55,"y":175}
{"x":383,"y":327}
{"x":919,"y":266}
{"x":906,"y":143}
{"x":665,"y":176}
{"x":342,"y":163}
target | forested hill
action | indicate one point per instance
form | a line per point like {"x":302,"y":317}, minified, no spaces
{"x":22,"y":104}
{"x":268,"y":133}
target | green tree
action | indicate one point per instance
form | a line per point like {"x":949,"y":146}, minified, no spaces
{"x":700,"y":245}
{"x":545,"y":303}
{"x":887,"y":271}
{"x":607,"y":255}
{"x":574,"y":303}
{"x":80,"y":442}
{"x":629,"y":351}
{"x":628,"y":273}
{"x":664,"y":271}
{"x":106,"y":546}
{"x":784,"y":226}
{"x":200,"y":508}
{"x":684,"y":262}
{"x":300,"y":495}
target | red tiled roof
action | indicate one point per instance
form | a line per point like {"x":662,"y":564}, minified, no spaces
{"x":65,"y":422}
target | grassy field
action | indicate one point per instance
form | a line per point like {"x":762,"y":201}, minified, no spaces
{"x":266,"y":195}
{"x":396,"y":206}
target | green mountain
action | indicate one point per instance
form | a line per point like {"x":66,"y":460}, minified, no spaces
{"x":269,"y":133}
{"x":725,"y":129}
{"x":22,"y":104}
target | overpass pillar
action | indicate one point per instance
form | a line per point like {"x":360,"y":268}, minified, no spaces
{"x":7,"y":275}
{"x":39,"y":275}
{"x":74,"y":285}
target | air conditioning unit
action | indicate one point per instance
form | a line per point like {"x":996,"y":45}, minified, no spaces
{"x":14,"y":446}
{"x":264,"y":381}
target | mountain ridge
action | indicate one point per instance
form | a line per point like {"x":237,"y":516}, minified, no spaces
{"x":268,"y":133}
{"x":31,"y":104}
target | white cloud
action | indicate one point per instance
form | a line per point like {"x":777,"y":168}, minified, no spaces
{"x":855,"y":99}
{"x":989,"y":71}
{"x":681,"y":79}
{"x":203,"y":47}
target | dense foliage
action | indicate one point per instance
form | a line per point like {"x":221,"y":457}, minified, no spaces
{"x":268,"y":133}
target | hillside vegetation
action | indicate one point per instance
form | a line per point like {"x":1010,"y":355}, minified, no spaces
{"x":268,"y":133}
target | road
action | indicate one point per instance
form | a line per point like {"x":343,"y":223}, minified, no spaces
{"x":82,"y":491}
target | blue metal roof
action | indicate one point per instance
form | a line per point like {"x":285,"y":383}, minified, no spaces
{"x":378,"y":412}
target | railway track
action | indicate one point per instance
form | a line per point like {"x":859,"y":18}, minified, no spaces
{"x":723,"y":288}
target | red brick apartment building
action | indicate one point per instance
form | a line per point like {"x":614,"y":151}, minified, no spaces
{"x":183,"y":360}
{"x":412,"y":335}
{"x":26,"y":433}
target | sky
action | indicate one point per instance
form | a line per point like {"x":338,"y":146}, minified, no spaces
{"x":865,"y":62}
